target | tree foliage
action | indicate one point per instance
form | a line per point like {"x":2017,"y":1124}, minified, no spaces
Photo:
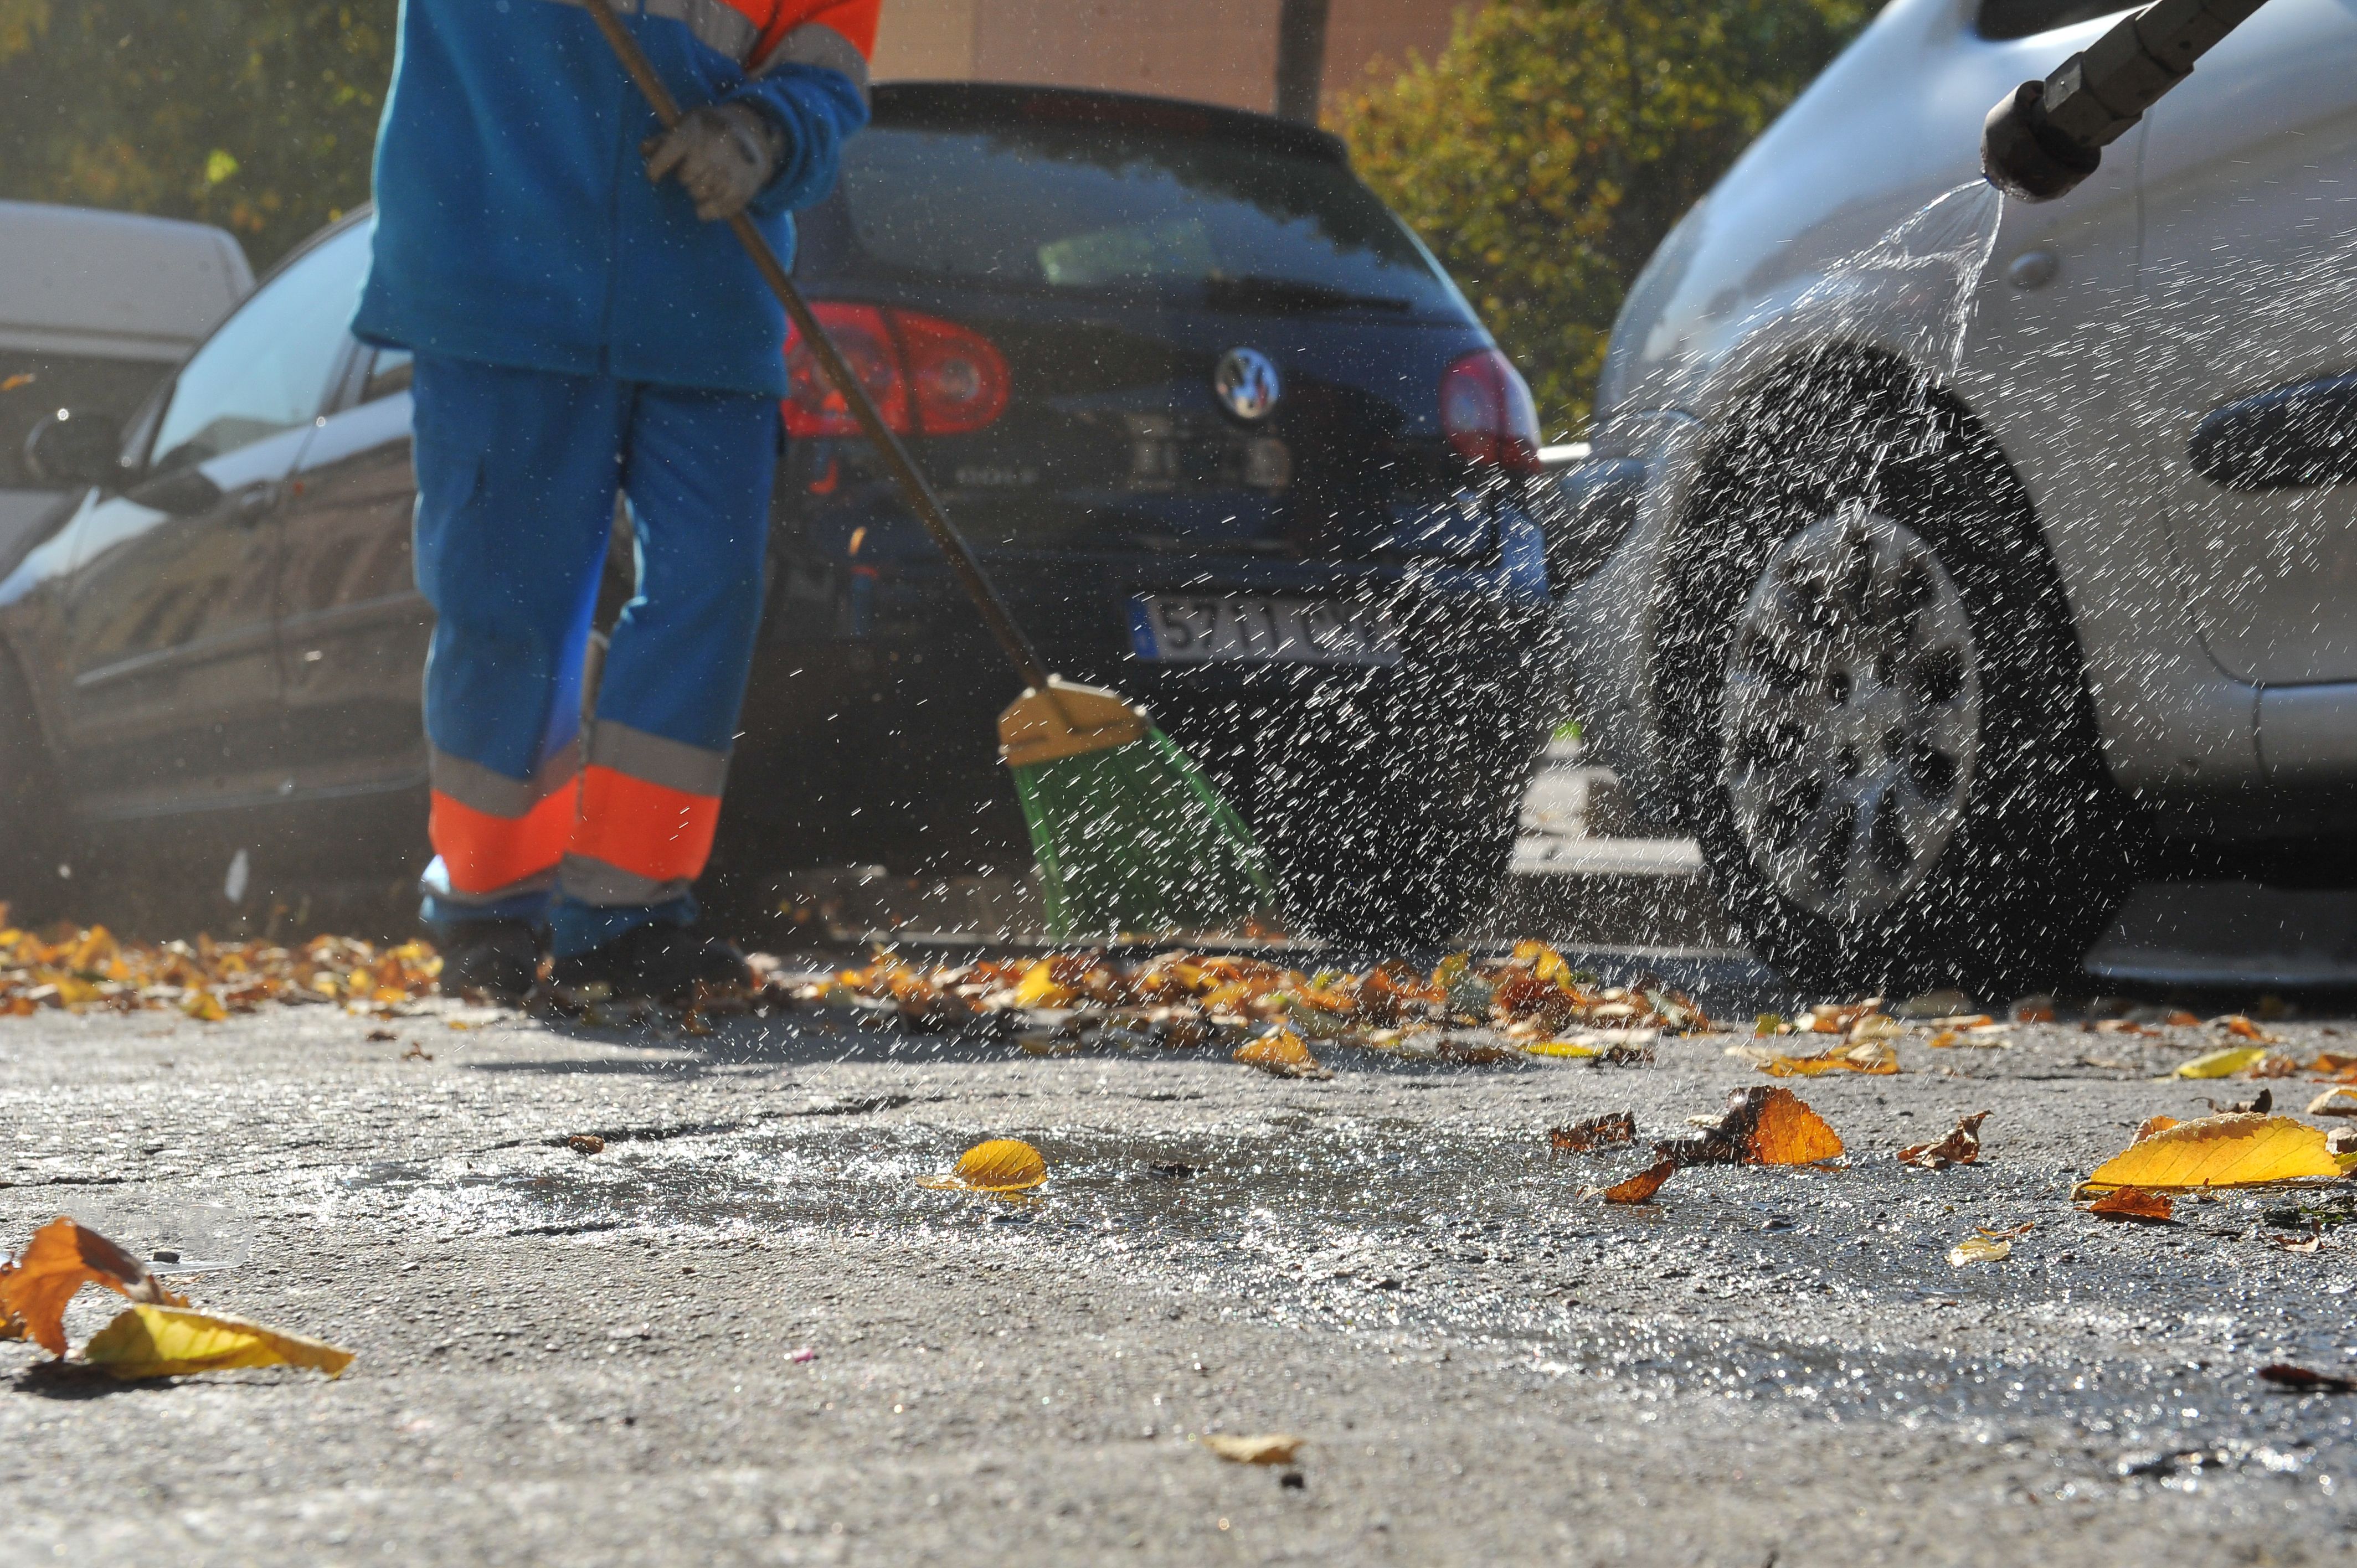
{"x":1552,"y":144}
{"x":259,"y":116}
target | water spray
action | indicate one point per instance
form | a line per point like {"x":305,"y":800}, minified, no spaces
{"x":2044,"y":137}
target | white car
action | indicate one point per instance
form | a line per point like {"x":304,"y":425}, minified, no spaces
{"x":94,"y":309}
{"x":1939,"y":602}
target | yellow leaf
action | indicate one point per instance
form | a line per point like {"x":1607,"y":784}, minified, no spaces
{"x":2237,"y":1149}
{"x":1562,"y":1049}
{"x":1266,"y":1448}
{"x":1001,"y":1164}
{"x":203,"y":1006}
{"x":1038,"y":988}
{"x":1280,"y":1051}
{"x":171,"y":1342}
{"x":1980,"y":1249}
{"x":2220,"y":1064}
{"x":1544,"y":962}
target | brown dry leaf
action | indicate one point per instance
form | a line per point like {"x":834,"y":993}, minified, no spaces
{"x":168,"y":1342}
{"x":1266,"y":1448}
{"x":586,"y":1144}
{"x":2334,"y":1103}
{"x":1596,"y":1132}
{"x":1640,"y":1188}
{"x":2179,"y":1018}
{"x":1281,"y":1052}
{"x":2133,"y":1203}
{"x":62,"y":1257}
{"x":2283,"y":1374}
{"x":1961,"y":1147}
{"x":1762,"y":1126}
{"x":2237,"y":1149}
{"x":2235,"y":1024}
{"x":2274,"y":1066}
{"x":2152,"y":1124}
{"x":2314,"y":1242}
{"x":999,"y":1165}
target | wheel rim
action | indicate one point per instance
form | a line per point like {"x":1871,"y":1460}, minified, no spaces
{"x":1849,"y":722}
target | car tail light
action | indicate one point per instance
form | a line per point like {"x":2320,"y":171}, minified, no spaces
{"x":952,"y":380}
{"x":1487,"y":413}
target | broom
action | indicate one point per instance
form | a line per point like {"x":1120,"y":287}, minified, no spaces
{"x":1127,"y":832}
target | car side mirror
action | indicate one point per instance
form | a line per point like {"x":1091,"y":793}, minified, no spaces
{"x":70,"y":449}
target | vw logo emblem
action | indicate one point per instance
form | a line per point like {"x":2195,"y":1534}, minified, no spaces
{"x":1246,"y":383}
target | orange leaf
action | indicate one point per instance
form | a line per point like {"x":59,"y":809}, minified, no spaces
{"x":2133,"y":1203}
{"x":1282,"y":1053}
{"x":62,"y":1257}
{"x":1640,"y":1188}
{"x":998,"y":1165}
{"x":1788,"y":1133}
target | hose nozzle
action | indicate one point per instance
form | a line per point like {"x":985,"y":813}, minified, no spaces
{"x":2044,"y":137}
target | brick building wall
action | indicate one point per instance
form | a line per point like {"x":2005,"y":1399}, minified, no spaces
{"x":1221,"y":52}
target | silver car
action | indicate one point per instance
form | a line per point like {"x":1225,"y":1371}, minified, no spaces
{"x":1947,"y":565}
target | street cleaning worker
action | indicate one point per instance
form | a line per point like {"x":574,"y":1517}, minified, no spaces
{"x":584,"y":325}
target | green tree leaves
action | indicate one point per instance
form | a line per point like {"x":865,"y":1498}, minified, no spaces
{"x":1553,"y":143}
{"x":259,"y":116}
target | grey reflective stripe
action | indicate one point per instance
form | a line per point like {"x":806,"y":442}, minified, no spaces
{"x":495,"y":794}
{"x":674,"y":765}
{"x":714,"y":24}
{"x":815,"y":43}
{"x":593,"y":881}
{"x":538,"y":882}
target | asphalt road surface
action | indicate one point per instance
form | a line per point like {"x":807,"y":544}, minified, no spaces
{"x":742,"y":1333}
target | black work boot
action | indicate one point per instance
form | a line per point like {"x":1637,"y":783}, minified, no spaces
{"x":660,"y":962}
{"x":498,"y":959}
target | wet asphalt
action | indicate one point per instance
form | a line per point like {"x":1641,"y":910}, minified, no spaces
{"x":744,"y":1333}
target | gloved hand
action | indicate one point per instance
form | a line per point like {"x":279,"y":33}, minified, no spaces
{"x":723,"y":153}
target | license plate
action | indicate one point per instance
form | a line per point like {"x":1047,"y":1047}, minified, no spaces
{"x":1193,"y":628}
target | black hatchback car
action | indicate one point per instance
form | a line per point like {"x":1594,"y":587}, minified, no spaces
{"x":1221,"y":427}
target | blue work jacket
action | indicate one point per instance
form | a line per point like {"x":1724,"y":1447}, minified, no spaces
{"x":515,"y":224}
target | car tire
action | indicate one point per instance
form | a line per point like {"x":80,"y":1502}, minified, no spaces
{"x":34,"y":837}
{"x":1874,"y":709}
{"x":1389,"y":824}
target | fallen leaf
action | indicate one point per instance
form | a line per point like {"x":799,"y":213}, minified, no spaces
{"x":1596,"y":1132}
{"x":586,"y":1144}
{"x":2034,"y":1010}
{"x":2274,"y":1066}
{"x":1762,"y":1126}
{"x":62,"y":1257}
{"x":1572,"y":1048}
{"x":382,"y":1034}
{"x":2238,"y":1149}
{"x":1268,"y":1448}
{"x":2236,"y":1025}
{"x":1961,"y":1147}
{"x":1280,"y":1051}
{"x":1640,"y":1188}
{"x":2220,"y":1063}
{"x":1001,"y":1164}
{"x":2283,"y":1374}
{"x":2133,"y":1203}
{"x":171,"y":1342}
{"x":2334,"y":1103}
{"x":2152,"y":1124}
{"x":1874,"y":1055}
{"x":1980,"y":1249}
{"x":2179,"y":1018}
{"x":2261,"y":1102}
{"x":2313,"y":1243}
{"x":1038,"y":987}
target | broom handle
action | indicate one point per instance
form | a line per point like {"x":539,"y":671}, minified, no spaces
{"x":895,"y":453}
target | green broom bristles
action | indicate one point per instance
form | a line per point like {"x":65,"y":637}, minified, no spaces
{"x":1133,"y":838}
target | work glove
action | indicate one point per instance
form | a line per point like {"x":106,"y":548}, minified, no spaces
{"x":723,"y":154}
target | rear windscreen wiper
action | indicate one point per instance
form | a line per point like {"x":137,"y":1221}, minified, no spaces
{"x":1293,"y":294}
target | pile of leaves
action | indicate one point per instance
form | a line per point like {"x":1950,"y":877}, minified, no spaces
{"x":77,"y":968}
{"x":1469,"y":1008}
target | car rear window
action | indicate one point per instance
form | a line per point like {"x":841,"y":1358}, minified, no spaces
{"x":1093,"y":208}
